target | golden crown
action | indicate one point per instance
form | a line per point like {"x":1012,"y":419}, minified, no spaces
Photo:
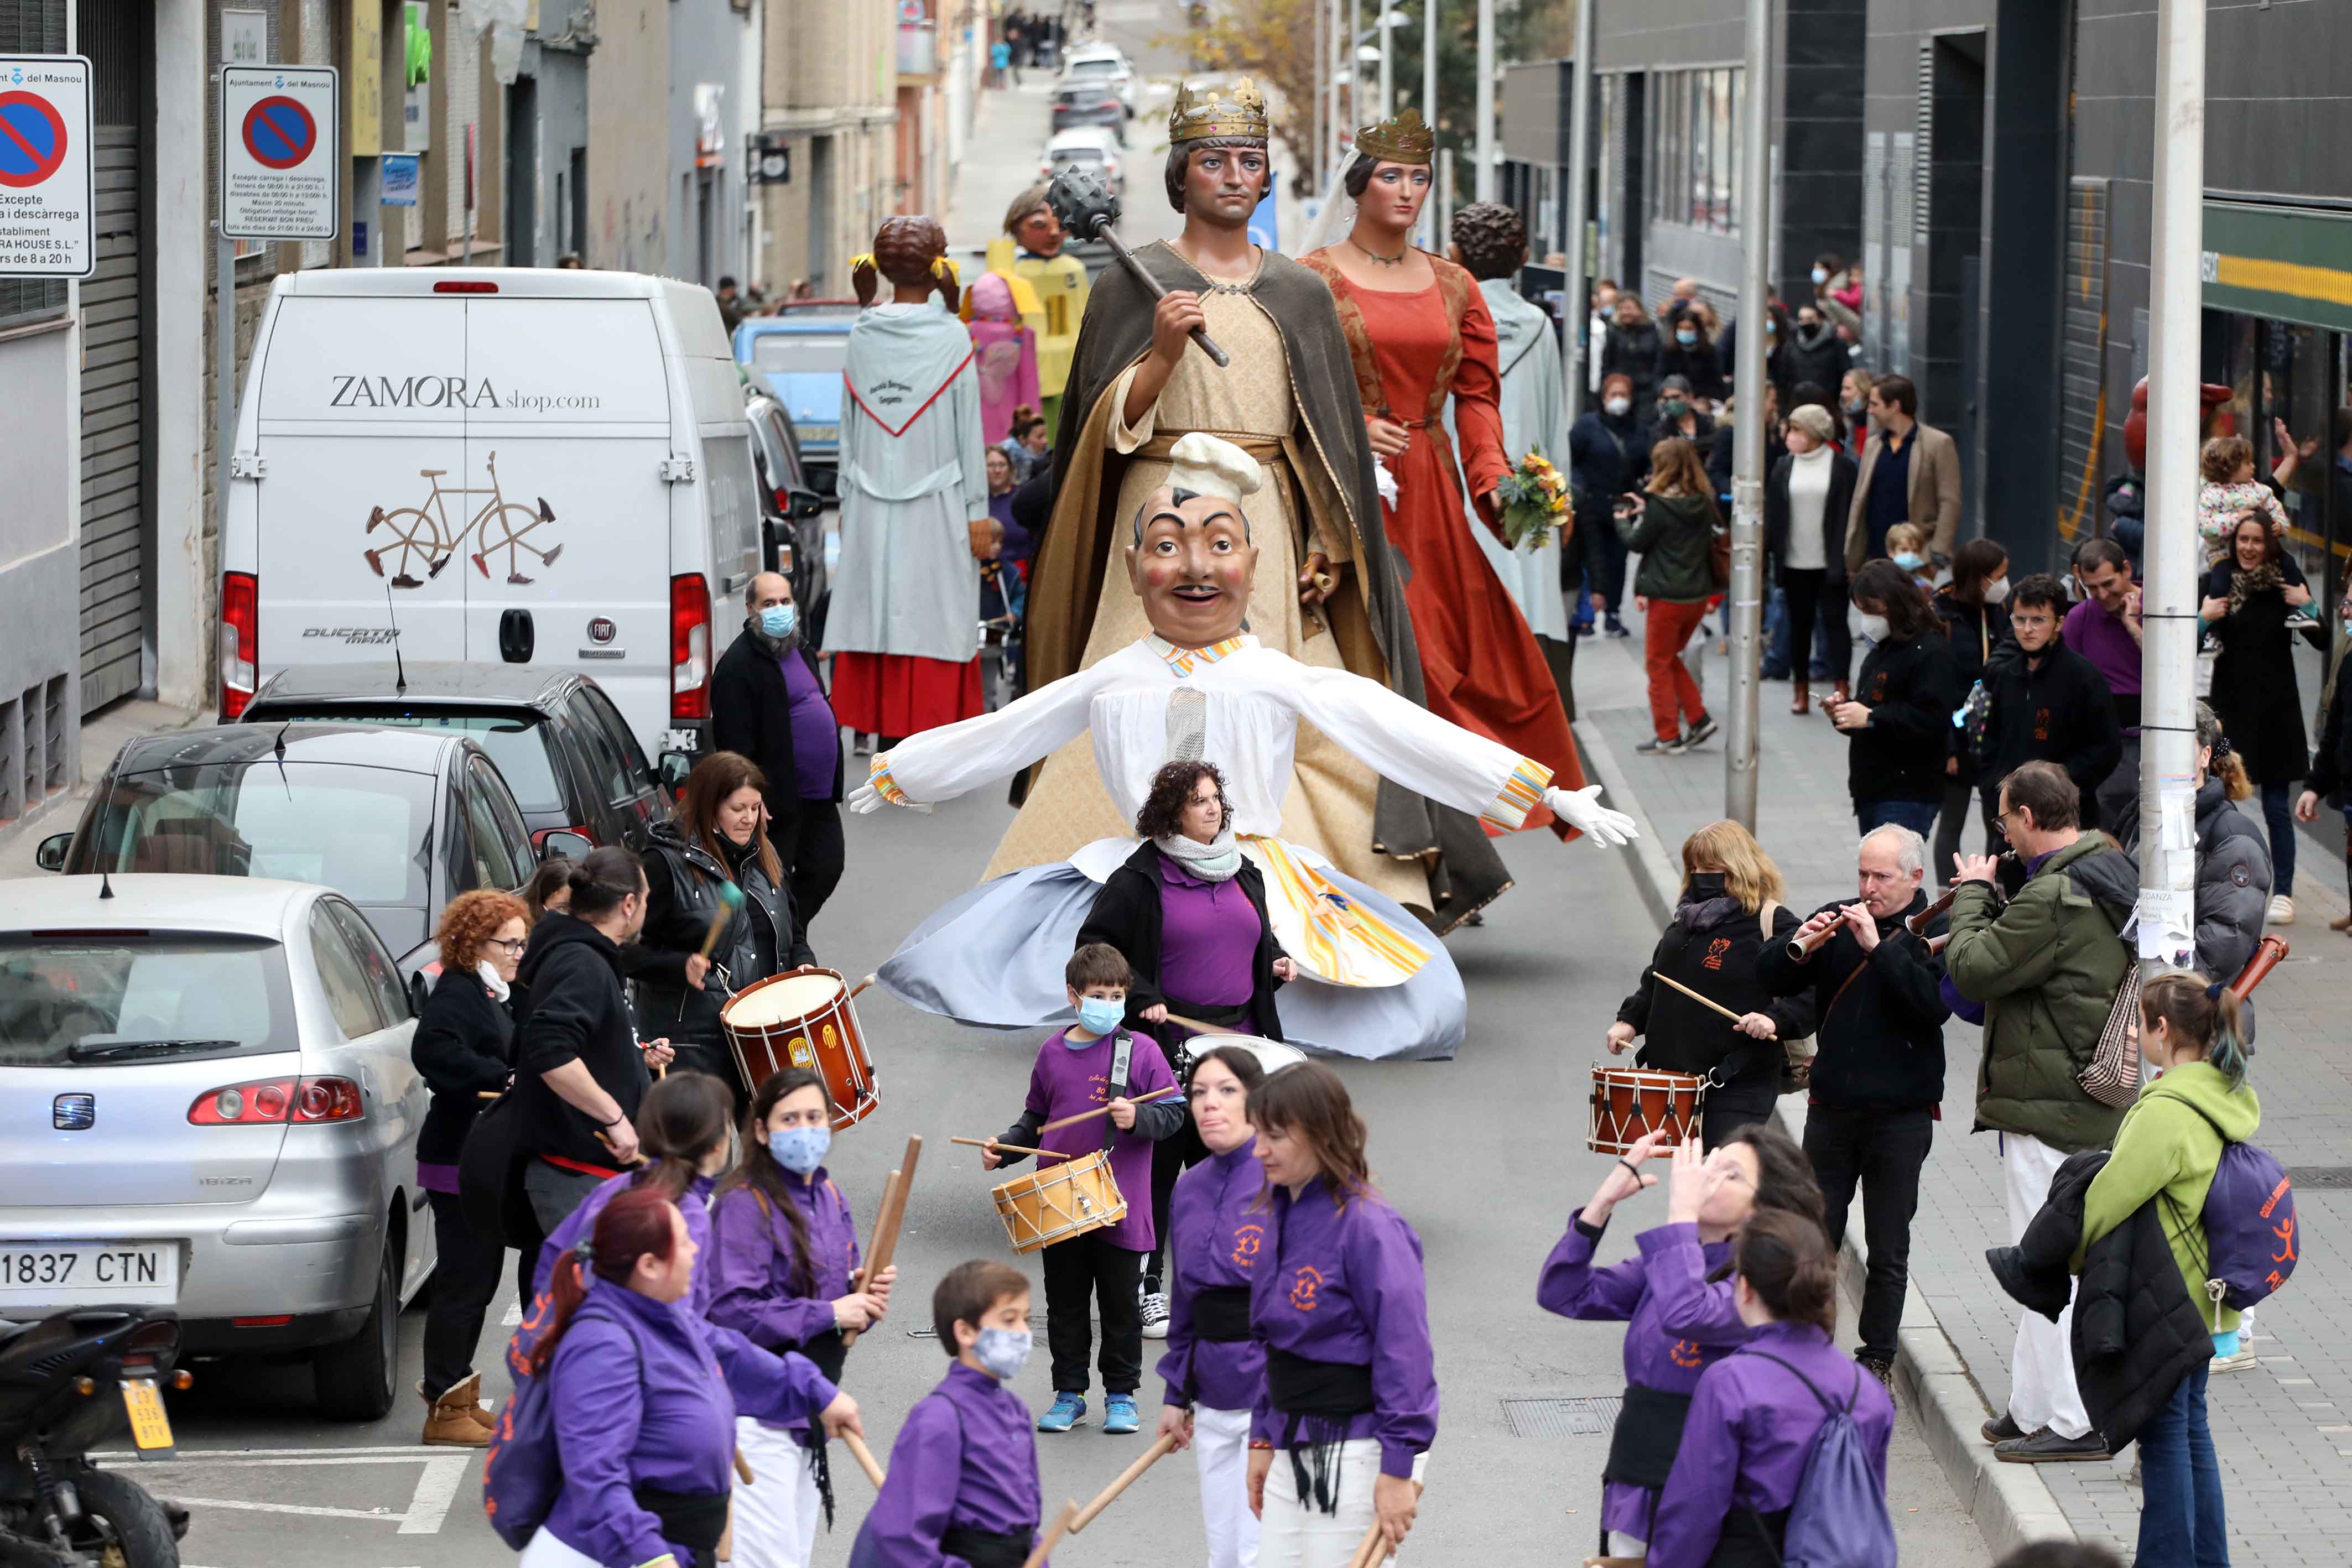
{"x":1402,"y":140}
{"x":1237,"y":110}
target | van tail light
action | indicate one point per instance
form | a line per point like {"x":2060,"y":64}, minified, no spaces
{"x":689,"y":647}
{"x":299,"y":1101}
{"x":240,"y":641}
{"x":465,"y":285}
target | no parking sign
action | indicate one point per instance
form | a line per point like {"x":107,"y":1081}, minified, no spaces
{"x":278,"y":158}
{"x":45,"y":182}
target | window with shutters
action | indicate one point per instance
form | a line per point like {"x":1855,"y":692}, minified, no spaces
{"x":31,"y":28}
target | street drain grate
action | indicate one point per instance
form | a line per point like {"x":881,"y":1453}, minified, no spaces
{"x":1562,"y":1417}
{"x":2320,"y":1176}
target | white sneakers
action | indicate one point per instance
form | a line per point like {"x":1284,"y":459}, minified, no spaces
{"x":1155,"y":1316}
{"x":2282,"y":911}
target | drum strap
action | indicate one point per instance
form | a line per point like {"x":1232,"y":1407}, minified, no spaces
{"x":1122,"y":1059}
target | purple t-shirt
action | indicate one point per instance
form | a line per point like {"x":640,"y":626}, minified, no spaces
{"x":1066,"y":1081}
{"x":816,"y":734}
{"x":2107,"y":643}
{"x":1208,"y":938}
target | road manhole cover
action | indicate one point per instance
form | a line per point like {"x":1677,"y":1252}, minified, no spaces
{"x":1562,"y":1417}
{"x":2320,"y":1176}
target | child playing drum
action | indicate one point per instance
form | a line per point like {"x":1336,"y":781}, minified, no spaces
{"x":1676,"y":1322}
{"x":786,"y":1275}
{"x":1096,"y":1062}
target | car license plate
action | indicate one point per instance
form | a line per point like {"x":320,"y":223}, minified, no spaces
{"x":151,"y":1429}
{"x":89,"y":1273}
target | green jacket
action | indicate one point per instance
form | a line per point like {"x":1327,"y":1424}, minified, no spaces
{"x":2165,"y":1147}
{"x":1674,"y":537}
{"x":2046,"y":966}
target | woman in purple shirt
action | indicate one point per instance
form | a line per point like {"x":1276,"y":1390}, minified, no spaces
{"x":1677,"y":1323}
{"x":1756,"y":1413}
{"x":1338,"y":1299}
{"x":1188,"y":913}
{"x":1213,"y":1368}
{"x":645,"y":1416}
{"x":784,"y":1274}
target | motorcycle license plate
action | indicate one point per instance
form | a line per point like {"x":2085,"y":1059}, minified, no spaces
{"x":151,"y":1429}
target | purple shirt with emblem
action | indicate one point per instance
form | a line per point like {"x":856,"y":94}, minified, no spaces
{"x":1216,"y":1232}
{"x":1208,"y":938}
{"x":2113,"y":651}
{"x":816,"y":734}
{"x":756,"y":1287}
{"x":1343,"y":1284}
{"x":1751,"y":1429}
{"x":695,"y":1206}
{"x":1066,"y":1081}
{"x":1676,"y":1325}
{"x":966,"y":1458}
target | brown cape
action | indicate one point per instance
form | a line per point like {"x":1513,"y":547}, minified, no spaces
{"x":1334,"y":462}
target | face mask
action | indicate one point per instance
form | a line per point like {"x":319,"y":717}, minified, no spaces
{"x":1674,"y":408}
{"x":1706,"y":885}
{"x":1821,"y":275}
{"x":1686,"y":337}
{"x":800,"y":1150}
{"x":777,"y":620}
{"x":1909,"y":560}
{"x":1997,"y":590}
{"x":1617,"y":406}
{"x":1096,"y":1015}
{"x":1002,"y":1351}
{"x":1872,"y":627}
{"x":1855,"y":411}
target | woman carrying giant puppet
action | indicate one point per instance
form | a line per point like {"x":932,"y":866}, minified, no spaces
{"x":1371,"y":982}
{"x":1419,"y":332}
{"x":1327,"y":591}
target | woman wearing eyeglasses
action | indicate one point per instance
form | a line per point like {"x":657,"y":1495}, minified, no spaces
{"x":464,"y":1045}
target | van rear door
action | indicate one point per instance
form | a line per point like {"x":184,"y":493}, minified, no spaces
{"x":361,"y":431}
{"x":568,"y":439}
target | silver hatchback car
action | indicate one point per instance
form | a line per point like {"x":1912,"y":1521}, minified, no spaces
{"x":207,"y":1101}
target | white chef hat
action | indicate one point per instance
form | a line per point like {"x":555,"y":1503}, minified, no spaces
{"x":1207,"y":466}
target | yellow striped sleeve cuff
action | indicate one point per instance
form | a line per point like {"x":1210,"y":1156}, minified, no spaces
{"x":878,"y":774}
{"x":1520,"y":794}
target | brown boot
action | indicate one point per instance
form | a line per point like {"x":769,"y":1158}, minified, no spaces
{"x":1800,"y":697}
{"x":456,"y":1419}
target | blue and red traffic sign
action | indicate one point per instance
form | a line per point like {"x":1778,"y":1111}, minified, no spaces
{"x":279,"y":132}
{"x":32,"y":140}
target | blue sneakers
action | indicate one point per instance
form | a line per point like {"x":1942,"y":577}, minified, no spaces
{"x":1068,"y":1410}
{"x":1119,"y":1415}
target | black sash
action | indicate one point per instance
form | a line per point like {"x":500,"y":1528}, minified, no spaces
{"x":828,"y":1350}
{"x":1751,"y":1540}
{"x":1317,"y":1397}
{"x":986,"y":1549}
{"x":688,"y":1519}
{"x":1648,"y":1435}
{"x":1221,"y":1313}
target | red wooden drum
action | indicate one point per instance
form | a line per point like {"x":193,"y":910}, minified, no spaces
{"x":804,"y":1019}
{"x":1630,"y":1102}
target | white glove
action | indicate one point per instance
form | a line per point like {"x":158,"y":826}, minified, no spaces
{"x":1581,"y":809}
{"x":866,"y":799}
{"x":1385,"y":481}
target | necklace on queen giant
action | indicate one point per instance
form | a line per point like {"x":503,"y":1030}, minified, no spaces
{"x":1396,"y":260}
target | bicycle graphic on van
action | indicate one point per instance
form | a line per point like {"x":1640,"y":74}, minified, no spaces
{"x":425,"y":532}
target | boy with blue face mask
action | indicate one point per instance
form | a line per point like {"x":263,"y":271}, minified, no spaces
{"x":962,"y":1483}
{"x":1096,"y":1063}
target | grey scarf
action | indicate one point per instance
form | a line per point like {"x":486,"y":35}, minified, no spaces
{"x":1215,"y":860}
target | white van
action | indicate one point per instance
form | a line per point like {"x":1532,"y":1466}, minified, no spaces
{"x":539,"y":467}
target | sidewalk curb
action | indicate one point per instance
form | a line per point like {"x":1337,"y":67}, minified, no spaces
{"x":2009,"y":1505}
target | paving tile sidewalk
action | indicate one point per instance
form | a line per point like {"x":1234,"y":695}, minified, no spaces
{"x":2283,"y":1429}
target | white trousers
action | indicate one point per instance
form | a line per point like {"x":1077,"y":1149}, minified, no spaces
{"x":776,"y":1516}
{"x":546,"y":1552}
{"x":1221,"y":1453}
{"x":1295,"y":1533}
{"x":2041,"y":1390}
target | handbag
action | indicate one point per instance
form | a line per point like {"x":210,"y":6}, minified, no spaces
{"x":2112,"y":1075}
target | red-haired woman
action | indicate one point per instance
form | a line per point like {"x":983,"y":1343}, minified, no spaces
{"x":646,"y":1395}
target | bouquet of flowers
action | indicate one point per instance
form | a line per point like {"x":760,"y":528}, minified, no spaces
{"x":1535,"y":503}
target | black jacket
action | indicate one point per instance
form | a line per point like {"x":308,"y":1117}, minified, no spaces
{"x":2059,"y":712}
{"x":1899,"y":754}
{"x":464,"y":1044}
{"x":750,"y":714}
{"x":1834,"y":507}
{"x":1819,"y":355}
{"x":682,"y":893}
{"x":1127,"y":915}
{"x":1607,"y":457}
{"x":1976,"y":633}
{"x":1632,"y":353}
{"x":575,"y":1009}
{"x":1697,"y":364}
{"x":1775,"y":357}
{"x":2137,"y":1332}
{"x":2331,"y":767}
{"x":2254,"y":686}
{"x":1879,"y":1038}
{"x":1661,"y":428}
{"x":1712,"y":947}
{"x":1722,"y":454}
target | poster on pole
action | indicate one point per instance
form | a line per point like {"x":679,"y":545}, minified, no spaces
{"x":278,"y":154}
{"x":45,"y":175}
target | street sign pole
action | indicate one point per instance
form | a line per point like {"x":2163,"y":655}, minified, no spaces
{"x":1748,"y":435}
{"x":1575,"y":291}
{"x":224,"y":371}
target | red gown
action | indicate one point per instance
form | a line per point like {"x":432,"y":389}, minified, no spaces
{"x":1480,"y":667}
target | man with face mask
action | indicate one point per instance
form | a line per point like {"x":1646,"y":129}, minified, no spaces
{"x":1607,"y":453}
{"x":768,"y":704}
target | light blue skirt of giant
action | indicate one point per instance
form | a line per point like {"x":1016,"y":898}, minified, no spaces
{"x":993,"y":958}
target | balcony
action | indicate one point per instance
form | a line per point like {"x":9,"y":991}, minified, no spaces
{"x":918,"y":54}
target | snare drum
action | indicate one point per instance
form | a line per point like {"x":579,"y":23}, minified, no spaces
{"x":1063,"y":1201}
{"x":1628,"y":1102}
{"x":804,"y":1019}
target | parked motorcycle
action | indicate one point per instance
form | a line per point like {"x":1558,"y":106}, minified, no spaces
{"x":69,"y":1384}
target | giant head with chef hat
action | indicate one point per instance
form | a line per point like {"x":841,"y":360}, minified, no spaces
{"x":1191,"y":560}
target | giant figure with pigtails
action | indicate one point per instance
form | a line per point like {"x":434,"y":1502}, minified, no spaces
{"x":914,"y":526}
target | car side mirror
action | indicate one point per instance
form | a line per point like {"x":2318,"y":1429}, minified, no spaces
{"x":825,"y":483}
{"x":803,"y":505}
{"x":566,"y":845}
{"x":672,"y":770}
{"x":51,"y":855}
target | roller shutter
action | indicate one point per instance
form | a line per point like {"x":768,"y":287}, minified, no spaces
{"x":117,"y":543}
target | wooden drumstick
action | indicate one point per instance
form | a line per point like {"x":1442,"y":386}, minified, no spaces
{"x":743,"y":1468}
{"x":1013,"y":1149}
{"x":861,"y":985}
{"x":1103,"y":1109}
{"x":865,"y":1458}
{"x":1104,"y":1498}
{"x":1372,"y":1550}
{"x":731,"y":899}
{"x":886,"y":1230}
{"x":1045,"y":1547}
{"x":1704,"y":1001}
